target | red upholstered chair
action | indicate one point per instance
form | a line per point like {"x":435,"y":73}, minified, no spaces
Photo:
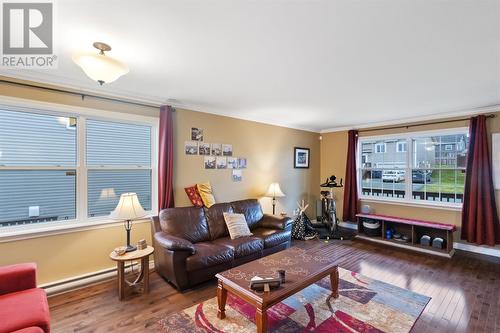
{"x":23,"y":306}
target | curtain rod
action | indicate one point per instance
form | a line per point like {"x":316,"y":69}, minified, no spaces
{"x":70,"y":92}
{"x":420,"y":124}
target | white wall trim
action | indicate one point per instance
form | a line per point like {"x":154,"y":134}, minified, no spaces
{"x":477,"y":249}
{"x":84,"y":280}
{"x":403,"y":121}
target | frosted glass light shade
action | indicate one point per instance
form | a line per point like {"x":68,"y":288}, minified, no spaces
{"x":100,"y":67}
{"x":128,"y":208}
{"x":274,"y":191}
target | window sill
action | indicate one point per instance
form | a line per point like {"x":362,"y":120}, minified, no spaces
{"x":433,"y":205}
{"x":15,"y":233}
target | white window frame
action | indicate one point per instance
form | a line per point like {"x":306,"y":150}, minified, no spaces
{"x":404,"y":143}
{"x":446,"y":147}
{"x":408,"y":137}
{"x":380,"y":144}
{"x":82,"y":222}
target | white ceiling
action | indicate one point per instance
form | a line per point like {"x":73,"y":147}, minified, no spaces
{"x":310,"y":64}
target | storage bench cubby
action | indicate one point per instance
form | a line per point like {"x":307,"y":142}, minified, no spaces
{"x":413,"y":230}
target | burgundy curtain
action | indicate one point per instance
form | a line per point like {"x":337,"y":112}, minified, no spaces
{"x":479,"y":213}
{"x":166,"y":159}
{"x":351,"y":183}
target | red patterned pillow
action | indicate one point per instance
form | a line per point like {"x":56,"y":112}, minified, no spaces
{"x":194,"y":196}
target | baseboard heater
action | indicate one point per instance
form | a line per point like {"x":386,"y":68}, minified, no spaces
{"x":81,"y":281}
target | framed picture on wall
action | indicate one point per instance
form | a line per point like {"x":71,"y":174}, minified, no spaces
{"x":196,"y":134}
{"x":232,"y":163}
{"x":216,"y":149}
{"x":204,"y":148}
{"x":227,"y":150}
{"x":209,"y":162}
{"x":221,"y":162}
{"x":191,"y":147}
{"x":301,"y":158}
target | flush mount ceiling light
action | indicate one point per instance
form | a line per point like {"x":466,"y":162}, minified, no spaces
{"x":100,"y":67}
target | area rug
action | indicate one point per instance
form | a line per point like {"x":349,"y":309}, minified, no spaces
{"x":364,"y":305}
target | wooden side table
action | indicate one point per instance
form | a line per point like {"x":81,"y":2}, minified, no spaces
{"x":143,"y":256}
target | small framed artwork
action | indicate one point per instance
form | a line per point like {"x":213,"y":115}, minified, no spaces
{"x":237,"y":175}
{"x":232,"y":163}
{"x":196,"y":134}
{"x":301,"y":158}
{"x":209,"y":162}
{"x":242,"y":163}
{"x":216,"y":149}
{"x":191,"y":147}
{"x":221,"y":162}
{"x":204,"y":148}
{"x":227,"y":150}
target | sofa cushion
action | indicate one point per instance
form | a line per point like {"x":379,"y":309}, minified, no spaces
{"x":251,"y":209}
{"x":194,"y":196}
{"x":272,"y":237}
{"x":24,"y":309}
{"x":242,"y":246}
{"x":206,"y":193}
{"x":237,"y":225}
{"x":208,"y":254}
{"x":215,"y":219}
{"x":185,"y":222}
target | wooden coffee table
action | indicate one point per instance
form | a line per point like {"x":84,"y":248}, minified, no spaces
{"x":303,"y":268}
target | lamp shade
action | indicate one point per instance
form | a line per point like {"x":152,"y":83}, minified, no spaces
{"x":128,"y":208}
{"x":274,"y":191}
{"x":100,"y":67}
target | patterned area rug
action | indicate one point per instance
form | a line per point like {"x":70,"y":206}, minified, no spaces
{"x":364,"y":305}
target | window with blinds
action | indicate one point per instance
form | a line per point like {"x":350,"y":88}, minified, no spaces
{"x":37,"y":168}
{"x":118,"y":161}
{"x":42,"y":178}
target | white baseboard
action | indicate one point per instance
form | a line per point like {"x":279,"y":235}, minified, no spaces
{"x":477,"y":249}
{"x":81,"y":281}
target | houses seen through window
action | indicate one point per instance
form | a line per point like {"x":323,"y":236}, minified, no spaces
{"x":433,"y":169}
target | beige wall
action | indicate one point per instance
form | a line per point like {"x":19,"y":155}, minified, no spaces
{"x":333,"y":161}
{"x":269,"y":153}
{"x":268,"y":149}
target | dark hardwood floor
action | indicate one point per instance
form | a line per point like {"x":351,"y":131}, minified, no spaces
{"x":465,"y":292}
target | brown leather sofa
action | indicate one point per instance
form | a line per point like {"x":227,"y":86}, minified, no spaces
{"x":193,"y":244}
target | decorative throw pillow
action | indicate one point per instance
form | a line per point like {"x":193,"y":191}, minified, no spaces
{"x":207,"y":196}
{"x":194,"y":196}
{"x":237,"y":225}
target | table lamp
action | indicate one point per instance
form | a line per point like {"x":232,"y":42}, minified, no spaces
{"x":129,"y":208}
{"x":274,"y":191}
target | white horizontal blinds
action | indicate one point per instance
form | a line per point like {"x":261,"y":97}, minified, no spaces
{"x":29,"y":139}
{"x":51,"y":193}
{"x":106,"y":186}
{"x":118,"y":158}
{"x":33,"y":150}
{"x":118,"y":144}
